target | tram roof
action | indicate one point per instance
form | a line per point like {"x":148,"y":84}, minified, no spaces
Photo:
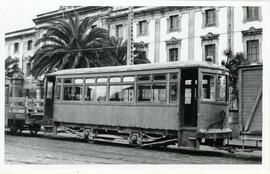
{"x":139,"y":67}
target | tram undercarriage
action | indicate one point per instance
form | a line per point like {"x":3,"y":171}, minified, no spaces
{"x":143,"y":137}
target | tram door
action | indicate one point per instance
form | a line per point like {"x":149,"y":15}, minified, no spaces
{"x":49,"y":99}
{"x":189,"y":92}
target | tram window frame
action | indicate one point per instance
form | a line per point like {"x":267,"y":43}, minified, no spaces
{"x":73,"y":99}
{"x":214,"y":87}
{"x":128,"y":81}
{"x":143,"y":99}
{"x":59,"y":81}
{"x":177,"y":77}
{"x":115,"y":77}
{"x":88,"y":78}
{"x":170,"y":92}
{"x":85,"y":92}
{"x":151,"y":82}
{"x":100,"y":82}
{"x":218,"y":98}
{"x":106,"y":93}
{"x":144,"y":81}
{"x":160,"y":94}
{"x":122,"y":93}
{"x":58,"y":95}
{"x":158,"y":80}
{"x":64,"y":80}
{"x":79,"y":83}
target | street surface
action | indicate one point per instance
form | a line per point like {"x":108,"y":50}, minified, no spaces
{"x":44,"y":149}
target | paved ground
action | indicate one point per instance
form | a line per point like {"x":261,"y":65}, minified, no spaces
{"x":26,"y":149}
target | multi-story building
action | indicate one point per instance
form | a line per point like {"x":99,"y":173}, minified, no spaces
{"x":163,"y":33}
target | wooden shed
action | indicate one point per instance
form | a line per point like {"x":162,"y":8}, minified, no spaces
{"x":250,"y":102}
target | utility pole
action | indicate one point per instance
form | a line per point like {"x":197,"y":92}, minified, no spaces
{"x":130,"y":46}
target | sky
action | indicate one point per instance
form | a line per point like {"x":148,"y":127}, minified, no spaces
{"x":18,"y":14}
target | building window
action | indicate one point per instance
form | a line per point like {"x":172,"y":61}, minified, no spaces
{"x":119,"y":31}
{"x":173,"y":49}
{"x":28,"y":69}
{"x":210,"y":44}
{"x":252,"y":42}
{"x":142,"y":28}
{"x":253,"y":50}
{"x":141,"y":50}
{"x":16,"y":47}
{"x":29,"y":45}
{"x":251,"y":14}
{"x":173,"y":23}
{"x":210,"y":51}
{"x":210,"y":17}
{"x":173,"y":54}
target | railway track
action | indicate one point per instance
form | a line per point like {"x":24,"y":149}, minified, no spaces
{"x":213,"y":152}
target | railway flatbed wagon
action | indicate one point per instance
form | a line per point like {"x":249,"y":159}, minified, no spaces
{"x":250,"y":102}
{"x":150,"y":104}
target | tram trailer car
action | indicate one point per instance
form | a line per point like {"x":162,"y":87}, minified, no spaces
{"x":250,"y":102}
{"x":149,"y":104}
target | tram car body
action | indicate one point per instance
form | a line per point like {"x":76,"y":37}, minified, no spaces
{"x":250,"y":102}
{"x":149,"y":104}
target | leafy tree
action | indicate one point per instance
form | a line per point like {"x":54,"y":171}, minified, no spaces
{"x":117,"y":52}
{"x":11,"y":66}
{"x":232,"y":63}
{"x":68,"y":44}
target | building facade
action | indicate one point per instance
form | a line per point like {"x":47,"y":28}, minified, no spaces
{"x":163,"y":33}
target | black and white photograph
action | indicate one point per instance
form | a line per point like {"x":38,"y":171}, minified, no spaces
{"x":151,"y":82}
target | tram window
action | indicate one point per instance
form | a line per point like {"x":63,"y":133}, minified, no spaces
{"x":67,"y":80}
{"x":221,"y":87}
{"x":101,"y":93}
{"x":116,"y":93}
{"x":78,"y":81}
{"x":58,"y":92}
{"x":173,"y":92}
{"x":58,"y":80}
{"x":129,"y":79}
{"x":90,"y":93}
{"x":208,"y":91}
{"x":160,"y":77}
{"x":173,"y":76}
{"x":121,"y":93}
{"x":90,"y":80}
{"x":102,"y":80}
{"x":72,"y":93}
{"x":188,"y":82}
{"x":49,"y":90}
{"x":115,"y":79}
{"x":144,"y":93}
{"x":128,"y":93}
{"x":144,"y":78}
{"x":159,"y":93}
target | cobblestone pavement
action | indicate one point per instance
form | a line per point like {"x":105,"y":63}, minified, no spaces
{"x":42,"y":149}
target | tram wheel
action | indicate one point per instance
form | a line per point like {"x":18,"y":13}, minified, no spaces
{"x":13,"y":130}
{"x":33,"y":130}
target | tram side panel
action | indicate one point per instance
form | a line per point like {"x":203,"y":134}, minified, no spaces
{"x":213,"y":115}
{"x":133,"y":116}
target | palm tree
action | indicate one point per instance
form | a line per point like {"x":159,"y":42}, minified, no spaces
{"x":11,"y":66}
{"x":68,"y":44}
{"x":116,"y":51}
{"x":232,"y":64}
